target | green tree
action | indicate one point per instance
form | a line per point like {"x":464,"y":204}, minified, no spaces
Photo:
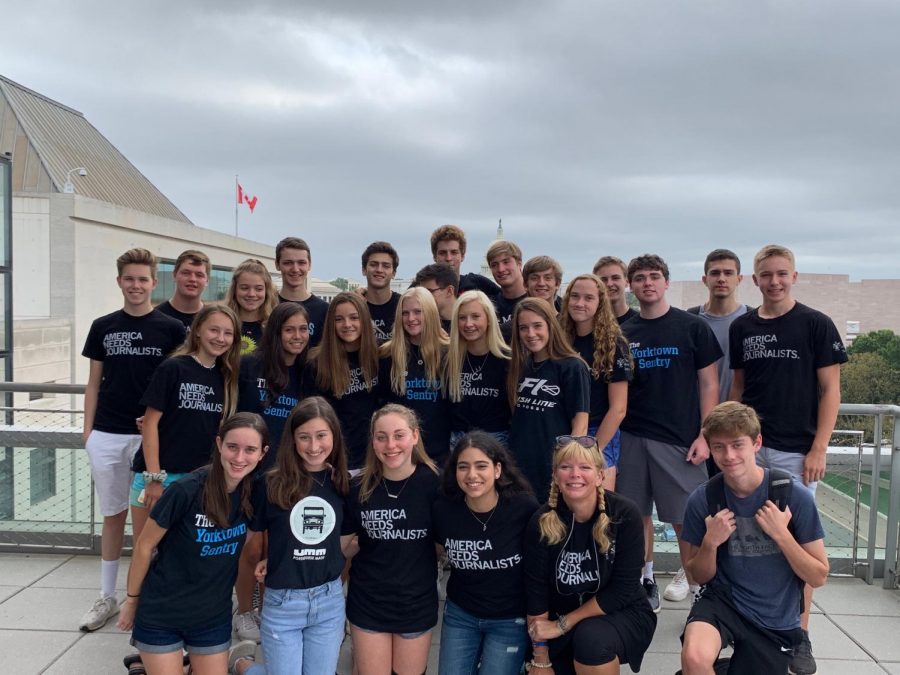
{"x":867,"y":378}
{"x":884,"y":342}
{"x":341,"y":283}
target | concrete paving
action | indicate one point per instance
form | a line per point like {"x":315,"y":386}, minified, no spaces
{"x":854,"y":626}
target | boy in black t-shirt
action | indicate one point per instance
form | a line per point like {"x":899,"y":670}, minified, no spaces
{"x":294,"y":260}
{"x":675,"y":385}
{"x":379,"y":266}
{"x":786,"y":359}
{"x":448,"y":245}
{"x":124,"y":348}
{"x":613,"y":273}
{"x":191,"y":275}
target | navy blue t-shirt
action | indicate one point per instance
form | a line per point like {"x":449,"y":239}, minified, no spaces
{"x":584,"y":345}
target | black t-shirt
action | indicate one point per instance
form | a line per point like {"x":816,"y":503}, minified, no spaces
{"x":483,"y":402}
{"x":253,"y":396}
{"x":317,"y":309}
{"x":549,"y":396}
{"x":130,"y":347}
{"x":383,"y":318}
{"x":664,"y":397}
{"x":780,"y":358}
{"x":393,"y":578}
{"x":487,"y":562}
{"x":304,"y":541}
{"x":505,"y":307}
{"x":251,"y":334}
{"x":188,"y":585}
{"x":477,"y":282}
{"x":185,"y":318}
{"x":627,"y":315}
{"x":584,"y":345}
{"x":427,"y":398}
{"x":559,"y":578}
{"x":190,"y":398}
{"x":354,"y":408}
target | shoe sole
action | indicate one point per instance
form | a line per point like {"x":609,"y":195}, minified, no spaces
{"x":678,"y":599}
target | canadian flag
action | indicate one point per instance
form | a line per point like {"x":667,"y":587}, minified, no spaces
{"x":243,"y":198}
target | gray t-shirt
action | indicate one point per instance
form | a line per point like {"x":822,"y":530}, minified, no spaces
{"x":720,"y":325}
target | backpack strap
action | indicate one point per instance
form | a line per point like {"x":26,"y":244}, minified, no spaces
{"x":780,"y":487}
{"x":715,"y":494}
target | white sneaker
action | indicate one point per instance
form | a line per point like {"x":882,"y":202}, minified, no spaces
{"x":246,"y":627}
{"x":678,"y":589}
{"x":246,"y":649}
{"x":97,"y":616}
{"x":696,"y":592}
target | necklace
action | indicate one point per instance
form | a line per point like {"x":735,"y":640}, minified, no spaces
{"x":484,"y":523}
{"x":392,"y":496}
{"x":197,"y":359}
{"x":417,"y":355}
{"x":320,"y":483}
{"x":473,"y":369}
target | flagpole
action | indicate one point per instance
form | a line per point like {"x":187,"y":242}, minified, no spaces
{"x":235,"y":205}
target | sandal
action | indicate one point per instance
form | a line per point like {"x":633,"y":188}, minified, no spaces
{"x":134,"y":665}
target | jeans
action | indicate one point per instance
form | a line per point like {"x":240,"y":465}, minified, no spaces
{"x":302,"y":630}
{"x":471,"y":645}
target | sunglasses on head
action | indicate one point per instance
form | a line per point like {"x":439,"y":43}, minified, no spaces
{"x":583,"y":441}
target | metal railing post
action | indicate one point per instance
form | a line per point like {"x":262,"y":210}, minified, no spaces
{"x":890,"y":547}
{"x":873,"y":502}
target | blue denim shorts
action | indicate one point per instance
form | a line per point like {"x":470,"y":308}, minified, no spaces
{"x":213,"y":640}
{"x":613,"y":449}
{"x":138,"y":485}
{"x":405,"y":636}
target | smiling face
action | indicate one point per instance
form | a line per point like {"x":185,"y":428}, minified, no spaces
{"x":379,"y":270}
{"x":542,"y":285}
{"x":393,"y":441}
{"x":577,"y":478}
{"x":735,"y":456}
{"x":613,"y":277}
{"x":775,"y":276}
{"x":239,"y":451}
{"x":472,"y":321}
{"x":722,"y":278}
{"x":295,"y":335}
{"x":347,"y":324}
{"x":314,"y":442}
{"x":534,"y":334}
{"x":476,"y":473}
{"x":215,"y":336}
{"x":649,"y":286}
{"x":191,"y":280}
{"x":506,"y":270}
{"x":413,"y":319}
{"x":584,"y":301}
{"x":294,"y":265}
{"x":136,"y":283}
{"x":250,"y":292}
{"x":450,"y":252}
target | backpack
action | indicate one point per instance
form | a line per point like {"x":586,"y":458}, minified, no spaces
{"x":780,"y":487}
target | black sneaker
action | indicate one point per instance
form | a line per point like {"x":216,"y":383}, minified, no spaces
{"x":652,"y":591}
{"x":803,"y":663}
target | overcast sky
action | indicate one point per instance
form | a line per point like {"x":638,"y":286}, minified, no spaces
{"x":590,"y":127}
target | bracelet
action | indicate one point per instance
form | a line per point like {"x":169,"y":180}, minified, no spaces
{"x":155,"y":476}
{"x":539,"y":666}
{"x":537,"y":644}
{"x":562,"y":624}
{"x":132,"y":596}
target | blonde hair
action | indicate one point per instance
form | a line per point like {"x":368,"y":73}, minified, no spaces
{"x":433,"y":345}
{"x":332,"y":364}
{"x":557,"y":345}
{"x":771,"y":251}
{"x":607,"y":337}
{"x":553,"y":529}
{"x":372,"y":471}
{"x":229,"y":362}
{"x":253,"y":266}
{"x":456,"y":355}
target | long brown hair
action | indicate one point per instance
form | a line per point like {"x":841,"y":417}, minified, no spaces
{"x":372,"y":471}
{"x":553,"y":529}
{"x":557,"y":345}
{"x":216,"y":502}
{"x":607,"y":337}
{"x":330,"y":357}
{"x":229,"y":362}
{"x":288,"y":481}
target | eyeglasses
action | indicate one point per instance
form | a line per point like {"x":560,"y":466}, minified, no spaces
{"x":583,"y":441}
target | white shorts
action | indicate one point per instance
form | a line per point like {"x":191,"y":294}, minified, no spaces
{"x":792,"y":462}
{"x":111,"y":456}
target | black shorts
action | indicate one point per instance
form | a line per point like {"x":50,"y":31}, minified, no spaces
{"x":756,"y":649}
